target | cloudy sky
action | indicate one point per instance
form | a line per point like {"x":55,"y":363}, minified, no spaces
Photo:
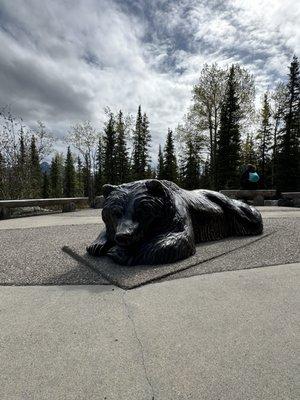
{"x":63,"y":61}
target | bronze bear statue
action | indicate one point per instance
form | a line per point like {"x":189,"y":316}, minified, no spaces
{"x":157,"y":222}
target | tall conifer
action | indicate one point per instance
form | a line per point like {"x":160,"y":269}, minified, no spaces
{"x":190,"y":166}
{"x":22,"y":168}
{"x":160,"y":164}
{"x":141,"y":144}
{"x":228,"y":151}
{"x":109,"y":172}
{"x":121,"y":151}
{"x":56,"y":177}
{"x":137,"y":147}
{"x":46,"y":186}
{"x":288,"y":161}
{"x":264,"y":138}
{"x":69,"y":175}
{"x":170,"y":162}
{"x":2,"y":178}
{"x":35,"y":170}
{"x":99,"y":171}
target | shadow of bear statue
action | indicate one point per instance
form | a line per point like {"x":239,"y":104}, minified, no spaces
{"x":157,"y":222}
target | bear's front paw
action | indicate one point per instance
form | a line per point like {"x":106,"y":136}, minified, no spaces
{"x":120,"y":255}
{"x":96,"y":248}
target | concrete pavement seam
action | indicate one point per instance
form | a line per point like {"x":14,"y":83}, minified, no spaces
{"x":129,"y":316}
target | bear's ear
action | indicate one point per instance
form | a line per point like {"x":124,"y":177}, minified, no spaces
{"x":107,"y":189}
{"x":155,"y":187}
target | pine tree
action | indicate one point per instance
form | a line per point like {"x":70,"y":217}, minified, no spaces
{"x":249,"y":155}
{"x":22,"y":170}
{"x":279,"y":97}
{"x":121,"y":152}
{"x":56,"y":177}
{"x":190,"y":166}
{"x":22,"y":151}
{"x":109,"y":170}
{"x":137,"y":147}
{"x":35,"y":170}
{"x":205,"y":178}
{"x":146,"y":140}
{"x":69,"y":175}
{"x":288,"y":162}
{"x":160,"y":164}
{"x":228,"y":152}
{"x":99,"y":171}
{"x":264,"y":138}
{"x":79,"y":179}
{"x":45,"y":186}
{"x":170,"y":162}
{"x":3,"y":187}
{"x":141,"y":144}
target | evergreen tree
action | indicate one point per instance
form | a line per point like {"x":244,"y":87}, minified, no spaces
{"x":150,"y":172}
{"x":99,"y":171}
{"x":22,"y":170}
{"x":56,"y":177}
{"x":121,"y":152}
{"x":137,"y":147}
{"x":205,"y":180}
{"x":170,"y":162}
{"x":228,"y":152}
{"x":146,"y":141}
{"x":45,"y":186}
{"x":249,"y":155}
{"x":22,"y":152}
{"x":190,"y":166}
{"x":160,"y":164}
{"x":69,"y":175}
{"x":264,"y":138}
{"x":35,"y":170}
{"x":3,"y":188}
{"x":79,"y":179}
{"x":141,"y":144}
{"x":109,"y":171}
{"x":288,"y":162}
{"x":279,"y":97}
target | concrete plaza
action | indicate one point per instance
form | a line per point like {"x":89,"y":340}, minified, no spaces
{"x":227,"y":335}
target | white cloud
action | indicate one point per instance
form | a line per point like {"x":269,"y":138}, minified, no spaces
{"x":64,"y":61}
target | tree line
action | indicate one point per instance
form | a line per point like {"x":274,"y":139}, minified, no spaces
{"x":220,"y":134}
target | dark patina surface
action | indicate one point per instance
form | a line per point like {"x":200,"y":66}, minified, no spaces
{"x":156,"y":222}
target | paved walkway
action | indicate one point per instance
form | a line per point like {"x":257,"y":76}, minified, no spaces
{"x":227,"y":335}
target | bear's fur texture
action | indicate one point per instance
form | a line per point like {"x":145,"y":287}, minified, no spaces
{"x":157,"y":222}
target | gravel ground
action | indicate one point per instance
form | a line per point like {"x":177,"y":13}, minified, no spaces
{"x":33,"y":256}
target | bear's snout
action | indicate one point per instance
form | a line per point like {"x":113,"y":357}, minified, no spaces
{"x":126,"y":233}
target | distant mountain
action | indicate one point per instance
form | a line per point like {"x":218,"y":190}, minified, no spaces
{"x":45,"y":167}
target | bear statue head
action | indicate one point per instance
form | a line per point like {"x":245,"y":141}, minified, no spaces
{"x":135,"y":211}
